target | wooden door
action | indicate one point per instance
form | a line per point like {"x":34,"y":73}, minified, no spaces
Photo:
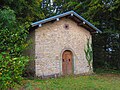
{"x":67,"y":62}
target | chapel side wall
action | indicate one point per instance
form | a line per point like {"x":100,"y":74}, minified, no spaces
{"x":52,"y":39}
{"x":31,"y":53}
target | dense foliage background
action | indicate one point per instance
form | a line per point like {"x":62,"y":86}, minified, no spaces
{"x":15,"y":19}
{"x":12,"y":44}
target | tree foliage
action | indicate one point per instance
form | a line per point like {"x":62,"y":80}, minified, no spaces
{"x":12,"y":43}
{"x":12,"y":34}
{"x":11,"y":69}
{"x":104,"y":14}
{"x":25,"y":10}
{"x":106,"y":51}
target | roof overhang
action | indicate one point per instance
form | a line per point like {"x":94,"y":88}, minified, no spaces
{"x":73,"y":15}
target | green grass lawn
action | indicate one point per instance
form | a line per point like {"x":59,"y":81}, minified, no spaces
{"x":94,"y":82}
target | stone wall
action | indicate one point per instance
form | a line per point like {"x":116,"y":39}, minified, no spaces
{"x":52,"y":39}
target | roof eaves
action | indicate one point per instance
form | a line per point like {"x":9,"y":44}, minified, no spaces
{"x":91,"y":25}
{"x":51,"y":18}
{"x":65,"y":14}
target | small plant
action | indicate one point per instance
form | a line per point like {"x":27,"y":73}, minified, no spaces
{"x":89,"y":53}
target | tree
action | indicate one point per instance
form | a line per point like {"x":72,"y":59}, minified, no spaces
{"x":26,"y":11}
{"x":12,"y":43}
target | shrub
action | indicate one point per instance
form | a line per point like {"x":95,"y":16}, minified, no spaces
{"x":11,"y":69}
{"x":13,"y":41}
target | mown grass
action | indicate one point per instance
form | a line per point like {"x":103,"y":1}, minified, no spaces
{"x":94,"y":82}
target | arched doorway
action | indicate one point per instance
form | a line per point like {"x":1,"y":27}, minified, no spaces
{"x":67,"y":66}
